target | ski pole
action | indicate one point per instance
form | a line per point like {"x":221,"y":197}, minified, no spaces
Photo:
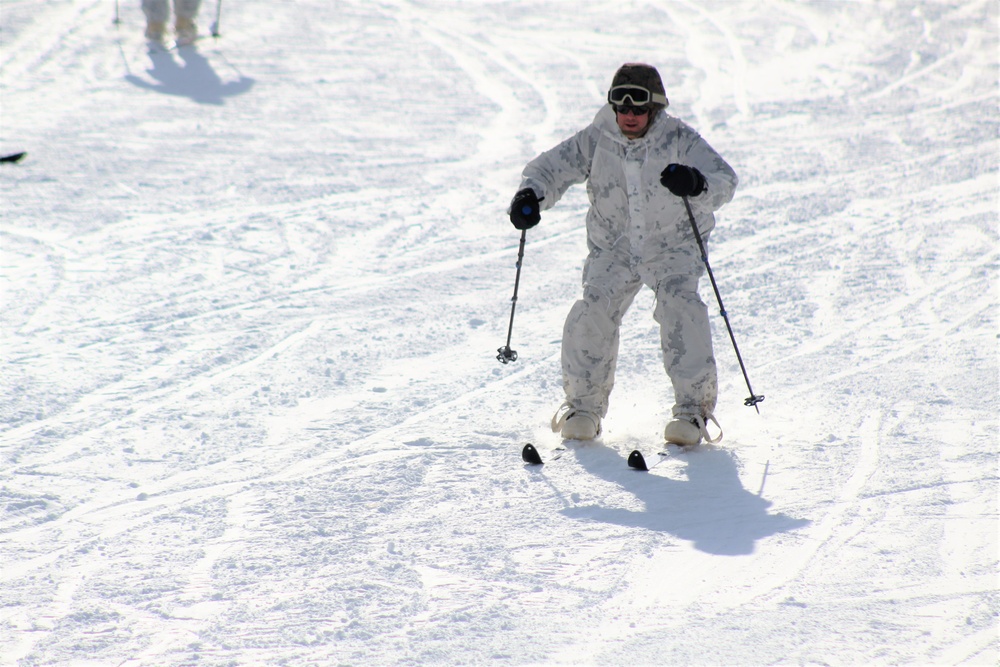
{"x":754,"y":399}
{"x":505,"y":355}
{"x":218,"y":17}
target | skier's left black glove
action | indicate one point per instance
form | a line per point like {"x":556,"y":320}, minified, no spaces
{"x":683,"y":181}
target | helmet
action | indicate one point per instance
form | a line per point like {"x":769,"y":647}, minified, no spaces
{"x":638,"y":84}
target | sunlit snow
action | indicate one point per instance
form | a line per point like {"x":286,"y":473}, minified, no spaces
{"x":252,"y":294}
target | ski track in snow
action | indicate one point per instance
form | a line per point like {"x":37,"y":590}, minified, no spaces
{"x":250,"y":410}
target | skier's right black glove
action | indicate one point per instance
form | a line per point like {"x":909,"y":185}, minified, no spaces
{"x":524,"y":209}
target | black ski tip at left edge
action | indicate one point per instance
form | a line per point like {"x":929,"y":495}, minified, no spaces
{"x":13,"y":158}
{"x":636,"y":461}
{"x":530,"y":455}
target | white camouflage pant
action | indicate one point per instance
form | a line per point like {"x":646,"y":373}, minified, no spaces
{"x":591,"y":333}
{"x":158,"y":11}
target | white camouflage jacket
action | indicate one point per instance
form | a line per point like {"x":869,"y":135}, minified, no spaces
{"x":632,"y":214}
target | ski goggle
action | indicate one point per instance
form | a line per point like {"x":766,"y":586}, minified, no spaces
{"x":633,"y":95}
{"x":626,"y":109}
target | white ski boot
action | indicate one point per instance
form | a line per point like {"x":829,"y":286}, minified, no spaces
{"x":688,"y":431}
{"x":155,"y":33}
{"x":187,"y":31}
{"x":576,"y":424}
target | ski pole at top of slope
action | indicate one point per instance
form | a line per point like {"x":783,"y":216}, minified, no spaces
{"x":218,"y":19}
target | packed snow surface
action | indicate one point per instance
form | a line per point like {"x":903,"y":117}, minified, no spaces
{"x":252,"y":293}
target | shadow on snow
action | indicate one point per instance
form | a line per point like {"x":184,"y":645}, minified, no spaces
{"x":708,"y":507}
{"x":194,"y":79}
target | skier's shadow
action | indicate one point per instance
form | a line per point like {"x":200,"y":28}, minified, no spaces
{"x":705,"y":503}
{"x":192,"y":77}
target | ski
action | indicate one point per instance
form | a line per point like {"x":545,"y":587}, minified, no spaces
{"x":13,"y":157}
{"x":531,"y":456}
{"x":637,"y":461}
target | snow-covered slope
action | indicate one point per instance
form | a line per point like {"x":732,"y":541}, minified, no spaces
{"x":252,"y":293}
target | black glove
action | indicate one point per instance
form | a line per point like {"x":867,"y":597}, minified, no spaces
{"x":524,"y":209}
{"x":683,"y":181}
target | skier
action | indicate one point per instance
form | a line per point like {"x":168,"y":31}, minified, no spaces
{"x":638,"y":162}
{"x":158,"y":11}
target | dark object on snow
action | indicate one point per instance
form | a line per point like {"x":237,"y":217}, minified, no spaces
{"x":636,"y":461}
{"x":13,"y":157}
{"x":530,"y":455}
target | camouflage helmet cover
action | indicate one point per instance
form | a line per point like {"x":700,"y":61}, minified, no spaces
{"x":646,"y":76}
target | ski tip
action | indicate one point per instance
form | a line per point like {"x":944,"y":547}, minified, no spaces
{"x":636,"y":461}
{"x":530,"y":455}
{"x":13,"y":157}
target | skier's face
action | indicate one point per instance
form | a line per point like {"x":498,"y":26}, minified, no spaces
{"x":632,"y":121}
